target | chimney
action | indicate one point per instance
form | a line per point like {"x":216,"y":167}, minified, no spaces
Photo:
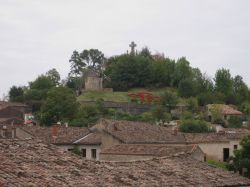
{"x":13,"y":132}
{"x":4,"y":131}
{"x":174,"y":131}
{"x":54,"y":131}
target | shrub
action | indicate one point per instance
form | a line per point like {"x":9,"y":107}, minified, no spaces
{"x":234,"y":122}
{"x":194,"y":126}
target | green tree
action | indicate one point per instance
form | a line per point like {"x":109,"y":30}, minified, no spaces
{"x":169,"y":100}
{"x":76,"y":64}
{"x":192,"y":103}
{"x":187,"y":88}
{"x":16,"y":94}
{"x":54,"y":76}
{"x":60,"y":105}
{"x":223,"y":81}
{"x":146,"y":53}
{"x":235,"y":122}
{"x":241,"y":158}
{"x":240,"y":89}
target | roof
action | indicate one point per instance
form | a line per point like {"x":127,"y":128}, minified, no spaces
{"x":225,"y":109}
{"x":213,"y":137}
{"x":93,"y":138}
{"x":149,"y":149}
{"x":32,"y":163}
{"x":11,"y":120}
{"x":4,"y":104}
{"x":56,"y":134}
{"x":139,"y":132}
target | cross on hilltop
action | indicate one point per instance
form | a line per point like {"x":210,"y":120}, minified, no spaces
{"x":132,"y":46}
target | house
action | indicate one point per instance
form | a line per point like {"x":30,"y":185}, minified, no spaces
{"x":127,"y":132}
{"x":225,"y":110}
{"x":30,"y":162}
{"x":133,"y":152}
{"x":87,"y":143}
{"x":13,"y":113}
{"x":93,"y":81}
{"x":217,"y":146}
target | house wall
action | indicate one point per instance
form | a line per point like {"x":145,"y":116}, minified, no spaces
{"x":198,"y":154}
{"x":214,"y":151}
{"x":93,"y":83}
{"x":21,"y":134}
{"x":108,"y":140}
{"x":88,"y":150}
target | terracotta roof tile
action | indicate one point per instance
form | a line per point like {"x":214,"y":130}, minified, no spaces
{"x":93,"y":138}
{"x":64,"y":135}
{"x":138,"y":132}
{"x":148,"y":149}
{"x":32,"y":163}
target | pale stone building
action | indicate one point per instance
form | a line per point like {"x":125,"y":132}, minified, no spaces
{"x":93,"y":81}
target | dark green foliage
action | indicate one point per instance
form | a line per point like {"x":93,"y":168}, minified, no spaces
{"x":187,"y":88}
{"x":194,"y":126}
{"x":241,"y":159}
{"x":54,"y":76}
{"x":16,"y":94}
{"x":192,"y":103}
{"x":234,"y":122}
{"x":223,"y":81}
{"x":60,"y":105}
{"x":128,"y":71}
{"x":74,"y":83}
{"x":92,"y":58}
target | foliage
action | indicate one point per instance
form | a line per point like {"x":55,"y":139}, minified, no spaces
{"x":92,"y":58}
{"x":194,"y":126}
{"x":187,"y":88}
{"x":217,"y":164}
{"x":192,"y":103}
{"x":235,"y":122}
{"x":54,"y":76}
{"x":223,"y":81}
{"x":60,"y":105}
{"x":241,"y":158}
{"x":76,"y":150}
{"x":16,"y":94}
{"x":147,"y":117}
{"x":169,"y":100}
{"x":216,"y":114}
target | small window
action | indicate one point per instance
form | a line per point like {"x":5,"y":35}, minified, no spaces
{"x":235,"y":146}
{"x":70,"y":149}
{"x":84,"y":153}
{"x":93,"y":153}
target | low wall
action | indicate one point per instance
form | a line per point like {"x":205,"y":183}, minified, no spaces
{"x":132,"y":108}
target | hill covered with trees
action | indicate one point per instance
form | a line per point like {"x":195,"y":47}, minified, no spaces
{"x":123,"y":73}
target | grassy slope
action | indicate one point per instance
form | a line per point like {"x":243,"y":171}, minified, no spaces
{"x":118,"y":96}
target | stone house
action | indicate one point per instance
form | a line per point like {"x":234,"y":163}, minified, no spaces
{"x":33,"y":163}
{"x":85,"y":142}
{"x":93,"y":81}
{"x":217,"y":146}
{"x":225,"y":110}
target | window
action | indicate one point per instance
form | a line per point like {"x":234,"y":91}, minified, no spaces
{"x":235,"y":146}
{"x":84,"y":153}
{"x":70,"y":149}
{"x":225,"y":154}
{"x":93,"y":153}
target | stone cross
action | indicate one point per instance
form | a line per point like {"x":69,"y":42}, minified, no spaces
{"x":132,"y":45}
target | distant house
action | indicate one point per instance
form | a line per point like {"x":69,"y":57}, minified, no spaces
{"x":225,"y":110}
{"x":67,"y":138}
{"x":93,"y":81}
{"x":13,"y":113}
{"x":133,"y":152}
{"x":217,"y":146}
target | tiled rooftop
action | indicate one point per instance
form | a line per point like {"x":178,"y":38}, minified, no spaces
{"x":57,"y":134}
{"x":32,"y":163}
{"x":158,"y":150}
{"x":93,"y":138}
{"x":138,"y":132}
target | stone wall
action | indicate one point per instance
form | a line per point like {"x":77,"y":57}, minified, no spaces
{"x":129,"y":107}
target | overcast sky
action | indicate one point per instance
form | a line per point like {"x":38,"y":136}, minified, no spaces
{"x":38,"y":35}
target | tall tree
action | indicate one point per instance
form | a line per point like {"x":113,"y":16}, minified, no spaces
{"x":16,"y":94}
{"x":240,"y":89}
{"x":76,"y":64}
{"x":60,"y":105}
{"x":223,"y":81}
{"x":54,"y":76}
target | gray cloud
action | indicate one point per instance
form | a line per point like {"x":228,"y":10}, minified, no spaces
{"x":36,"y":36}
